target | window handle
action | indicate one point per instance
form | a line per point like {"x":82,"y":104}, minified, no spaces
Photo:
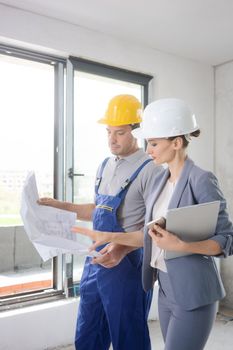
{"x":71,"y":173}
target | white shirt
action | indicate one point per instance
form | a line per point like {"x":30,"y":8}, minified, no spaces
{"x":160,"y":209}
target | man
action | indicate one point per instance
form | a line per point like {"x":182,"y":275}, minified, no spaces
{"x":113,"y":306}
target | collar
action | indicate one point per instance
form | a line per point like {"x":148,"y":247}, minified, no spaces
{"x":132,"y":158}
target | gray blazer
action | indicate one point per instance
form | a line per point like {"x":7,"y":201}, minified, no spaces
{"x":194,"y":279}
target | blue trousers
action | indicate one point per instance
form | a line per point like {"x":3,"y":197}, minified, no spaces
{"x":183,"y":329}
{"x":113,"y":308}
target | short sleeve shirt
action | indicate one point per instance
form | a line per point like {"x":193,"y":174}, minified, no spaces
{"x":132,"y":211}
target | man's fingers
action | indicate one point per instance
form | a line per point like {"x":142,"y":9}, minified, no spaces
{"x":95,"y":245}
{"x":45,"y":200}
{"x":104,"y":250}
{"x":101,"y":259}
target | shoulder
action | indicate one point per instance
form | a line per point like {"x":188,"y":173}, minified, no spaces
{"x":205,"y":185}
{"x":199,"y":174}
{"x":105,"y":164}
{"x":151,"y":169}
{"x":149,"y":178}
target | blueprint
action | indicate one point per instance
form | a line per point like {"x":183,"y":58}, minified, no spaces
{"x":49,"y":228}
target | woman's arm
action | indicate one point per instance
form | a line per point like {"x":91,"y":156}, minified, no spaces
{"x":224,"y":230}
{"x":207,"y":247}
{"x":132,"y":239}
{"x":168,"y":241}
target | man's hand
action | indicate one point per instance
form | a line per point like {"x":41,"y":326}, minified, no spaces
{"x":51,"y":202}
{"x":112,"y":254}
{"x":84,"y":211}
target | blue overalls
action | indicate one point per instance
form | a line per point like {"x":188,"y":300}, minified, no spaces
{"x":113,"y":306}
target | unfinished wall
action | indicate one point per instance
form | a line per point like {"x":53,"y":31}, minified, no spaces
{"x":13,"y":245}
{"x":224,"y":155}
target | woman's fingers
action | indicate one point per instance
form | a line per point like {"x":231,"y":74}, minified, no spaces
{"x":98,"y":236}
{"x":157,"y":231}
{"x":83,"y":231}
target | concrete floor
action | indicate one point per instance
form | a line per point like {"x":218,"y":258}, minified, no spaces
{"x":221,"y":337}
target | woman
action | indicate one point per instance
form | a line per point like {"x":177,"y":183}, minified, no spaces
{"x":189,"y":286}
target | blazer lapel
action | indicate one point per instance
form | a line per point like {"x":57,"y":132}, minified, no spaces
{"x":181,"y":184}
{"x":173,"y":203}
{"x":153,"y":199}
{"x":156,"y":194}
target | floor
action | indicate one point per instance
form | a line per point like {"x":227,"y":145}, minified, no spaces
{"x":220,"y":339}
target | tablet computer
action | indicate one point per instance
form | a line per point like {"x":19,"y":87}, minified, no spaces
{"x":192,"y":223}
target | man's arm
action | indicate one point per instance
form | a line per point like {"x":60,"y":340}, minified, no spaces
{"x":83,"y":211}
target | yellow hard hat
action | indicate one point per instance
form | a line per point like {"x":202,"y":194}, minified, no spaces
{"x":122,"y":110}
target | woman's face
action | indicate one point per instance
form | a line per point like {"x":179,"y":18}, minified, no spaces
{"x":161,"y":150}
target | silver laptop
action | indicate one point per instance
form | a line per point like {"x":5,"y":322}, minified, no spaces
{"x":192,"y":223}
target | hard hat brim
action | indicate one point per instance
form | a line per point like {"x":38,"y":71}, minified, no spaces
{"x":112,"y":122}
{"x":140,"y":133}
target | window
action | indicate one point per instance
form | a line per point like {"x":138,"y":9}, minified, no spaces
{"x":32,"y":138}
{"x":92,"y":87}
{"x":27,"y":137}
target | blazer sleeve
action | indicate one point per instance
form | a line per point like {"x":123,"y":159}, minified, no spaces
{"x":207,"y":190}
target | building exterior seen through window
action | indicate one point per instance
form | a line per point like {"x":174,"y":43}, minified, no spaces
{"x":26,"y":144}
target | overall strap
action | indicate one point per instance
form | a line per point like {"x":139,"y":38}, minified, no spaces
{"x":99,"y":175}
{"x":128,"y":181}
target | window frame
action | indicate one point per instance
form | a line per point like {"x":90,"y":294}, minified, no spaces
{"x":96,"y":68}
{"x":58,"y":290}
{"x":106,"y":71}
{"x":62,"y":267}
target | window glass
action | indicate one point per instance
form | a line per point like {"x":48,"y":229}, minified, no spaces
{"x":26,"y":143}
{"x":91,"y":96}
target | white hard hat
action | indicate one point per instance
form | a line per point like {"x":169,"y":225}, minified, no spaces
{"x":166,"y":118}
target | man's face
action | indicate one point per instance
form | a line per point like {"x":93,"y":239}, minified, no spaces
{"x":120,"y":140}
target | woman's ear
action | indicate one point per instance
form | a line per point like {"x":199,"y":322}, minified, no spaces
{"x":178,"y":143}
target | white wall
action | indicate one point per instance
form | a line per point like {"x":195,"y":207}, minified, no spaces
{"x":173,"y":77}
{"x":39,"y":327}
{"x":46,"y":326}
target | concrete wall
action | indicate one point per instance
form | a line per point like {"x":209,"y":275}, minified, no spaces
{"x":16,"y":251}
{"x":224,"y":155}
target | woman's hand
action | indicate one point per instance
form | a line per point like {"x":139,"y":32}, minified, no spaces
{"x":165,"y":240}
{"x":100,"y":237}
